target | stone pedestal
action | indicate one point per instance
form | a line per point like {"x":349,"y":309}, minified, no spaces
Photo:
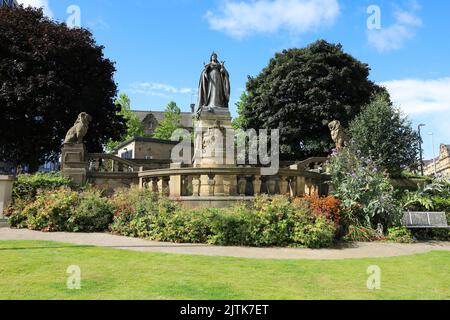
{"x":214,"y":140}
{"x":6,"y":185}
{"x":73,"y":162}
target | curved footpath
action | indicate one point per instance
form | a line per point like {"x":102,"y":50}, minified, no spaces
{"x":355,"y":250}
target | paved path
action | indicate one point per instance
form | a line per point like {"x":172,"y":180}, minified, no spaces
{"x":357,"y":250}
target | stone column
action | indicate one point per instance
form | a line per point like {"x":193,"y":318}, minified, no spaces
{"x":257,"y":185}
{"x":74,"y":164}
{"x":6,"y":185}
{"x":284,"y":186}
{"x":206,"y":186}
{"x":301,"y":183}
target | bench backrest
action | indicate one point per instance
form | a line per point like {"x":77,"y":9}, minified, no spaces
{"x":425,"y":219}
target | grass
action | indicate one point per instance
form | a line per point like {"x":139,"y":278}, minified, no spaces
{"x":37,"y":270}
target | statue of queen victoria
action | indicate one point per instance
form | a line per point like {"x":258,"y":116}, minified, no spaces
{"x":214,"y":87}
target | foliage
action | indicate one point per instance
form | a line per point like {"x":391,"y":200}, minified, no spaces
{"x":134,"y":126}
{"x":381,"y":133}
{"x":434,"y":196}
{"x":51,"y":73}
{"x":360,"y":234}
{"x":92,"y":213}
{"x":400,"y":235}
{"x":328,"y":207}
{"x":26,"y":186}
{"x":301,"y":91}
{"x":269,"y":222}
{"x":367,"y":196}
{"x":63,"y":210}
{"x":170,"y":123}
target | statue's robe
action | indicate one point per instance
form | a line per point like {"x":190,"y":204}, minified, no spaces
{"x":214,"y":87}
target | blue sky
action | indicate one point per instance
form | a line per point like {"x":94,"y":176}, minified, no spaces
{"x":159,"y":46}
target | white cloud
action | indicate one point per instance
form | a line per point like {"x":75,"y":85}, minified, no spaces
{"x":158,"y":89}
{"x":240,"y":19}
{"x":415,"y":96}
{"x":38,"y":4}
{"x":395,"y":36}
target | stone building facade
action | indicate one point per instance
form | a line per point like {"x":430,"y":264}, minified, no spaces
{"x":152,"y":119}
{"x":442,"y":162}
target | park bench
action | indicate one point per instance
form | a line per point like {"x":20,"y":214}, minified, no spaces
{"x":425,"y":220}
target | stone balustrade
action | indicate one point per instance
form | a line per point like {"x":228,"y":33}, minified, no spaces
{"x":178,"y":182}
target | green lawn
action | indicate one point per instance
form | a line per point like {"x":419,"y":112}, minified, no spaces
{"x":37,"y":270}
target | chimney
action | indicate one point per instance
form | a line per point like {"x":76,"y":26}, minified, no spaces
{"x":193,"y":107}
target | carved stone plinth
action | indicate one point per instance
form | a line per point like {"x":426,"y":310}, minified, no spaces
{"x":73,"y":162}
{"x":6,"y":185}
{"x":214,"y":140}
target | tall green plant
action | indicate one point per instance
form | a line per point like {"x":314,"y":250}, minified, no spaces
{"x":383,"y":134}
{"x":368,"y":197}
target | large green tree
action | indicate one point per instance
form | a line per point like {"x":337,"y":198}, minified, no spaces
{"x":382,"y":133}
{"x":49,"y":74}
{"x":134,"y":126}
{"x":170,"y":123}
{"x":301,"y":91}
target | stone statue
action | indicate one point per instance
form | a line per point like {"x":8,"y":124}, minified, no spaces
{"x":78,"y":131}
{"x":214,"y":87}
{"x":338,"y":135}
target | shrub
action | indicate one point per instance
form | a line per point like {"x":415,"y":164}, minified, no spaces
{"x":367,"y":196}
{"x":51,"y":210}
{"x":63,"y":210}
{"x":269,"y":222}
{"x":312,"y":230}
{"x":400,"y":235}
{"x":323,"y":206}
{"x":26,"y":186}
{"x":92,"y":213}
{"x":360,"y":234}
{"x":191,"y":226}
{"x":140,"y":213}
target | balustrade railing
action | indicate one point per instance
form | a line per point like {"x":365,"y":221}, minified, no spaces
{"x":236,"y":181}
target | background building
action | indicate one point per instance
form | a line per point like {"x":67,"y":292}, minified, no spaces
{"x":442,"y":162}
{"x":152,"y":119}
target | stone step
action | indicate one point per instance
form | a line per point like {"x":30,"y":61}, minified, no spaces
{"x":4,"y":223}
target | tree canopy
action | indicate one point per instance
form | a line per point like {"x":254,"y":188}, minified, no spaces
{"x":134,"y":126}
{"x":301,"y":91}
{"x":383,"y":134}
{"x":49,"y":74}
{"x":170,"y":123}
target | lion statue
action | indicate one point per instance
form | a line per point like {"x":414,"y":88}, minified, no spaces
{"x":338,"y":135}
{"x":77,"y":133}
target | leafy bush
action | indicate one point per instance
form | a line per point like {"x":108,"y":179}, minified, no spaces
{"x":269,"y":222}
{"x":92,"y":213}
{"x":400,"y":235}
{"x":63,"y":210}
{"x":360,"y":234}
{"x":50,"y":211}
{"x":27,"y":186}
{"x":367,"y":196}
{"x":323,"y":206}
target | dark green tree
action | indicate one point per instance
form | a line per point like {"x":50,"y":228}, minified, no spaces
{"x":49,"y":74}
{"x":301,"y":91}
{"x":383,"y":134}
{"x":170,"y":123}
